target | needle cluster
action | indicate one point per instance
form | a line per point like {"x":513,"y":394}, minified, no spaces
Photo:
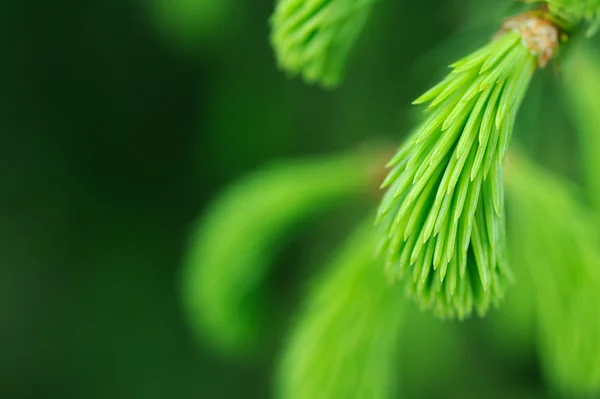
{"x":313,"y":38}
{"x":443,"y":213}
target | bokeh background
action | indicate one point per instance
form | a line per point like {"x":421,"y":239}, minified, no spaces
{"x":119,"y":121}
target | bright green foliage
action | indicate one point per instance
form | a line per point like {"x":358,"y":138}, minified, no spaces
{"x":571,"y":13}
{"x":443,"y":213}
{"x":237,"y":238}
{"x":345,"y":342}
{"x":582,"y":89}
{"x":557,"y":241}
{"x":313,"y":38}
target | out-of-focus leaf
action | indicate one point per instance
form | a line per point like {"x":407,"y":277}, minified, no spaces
{"x":556,"y":239}
{"x":582,"y":89}
{"x":344,"y":344}
{"x":241,"y":231}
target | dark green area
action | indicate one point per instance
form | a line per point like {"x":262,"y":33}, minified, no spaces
{"x":117,"y":126}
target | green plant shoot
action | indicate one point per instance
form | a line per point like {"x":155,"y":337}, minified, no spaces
{"x":442,"y":216}
{"x":235,"y":241}
{"x":314,"y":38}
{"x":345,"y":341}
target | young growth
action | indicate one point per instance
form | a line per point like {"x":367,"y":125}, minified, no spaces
{"x":442,"y":216}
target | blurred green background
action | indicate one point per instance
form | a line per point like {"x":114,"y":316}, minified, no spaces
{"x":119,"y":121}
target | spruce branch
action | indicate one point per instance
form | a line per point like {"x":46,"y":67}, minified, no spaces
{"x":556,"y":240}
{"x":442,"y":216}
{"x":345,"y":341}
{"x":314,"y":38}
{"x":570,"y":14}
{"x":235,"y":241}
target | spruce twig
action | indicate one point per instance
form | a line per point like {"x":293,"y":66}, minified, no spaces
{"x":313,"y":38}
{"x":442,"y":216}
{"x":571,"y":14}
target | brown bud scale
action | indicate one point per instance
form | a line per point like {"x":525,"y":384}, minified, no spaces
{"x":539,"y":35}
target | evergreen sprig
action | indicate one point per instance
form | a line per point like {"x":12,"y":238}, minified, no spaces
{"x":313,"y":38}
{"x":345,"y":342}
{"x":571,"y":13}
{"x":234,"y":242}
{"x":443,"y":213}
{"x":556,"y":239}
